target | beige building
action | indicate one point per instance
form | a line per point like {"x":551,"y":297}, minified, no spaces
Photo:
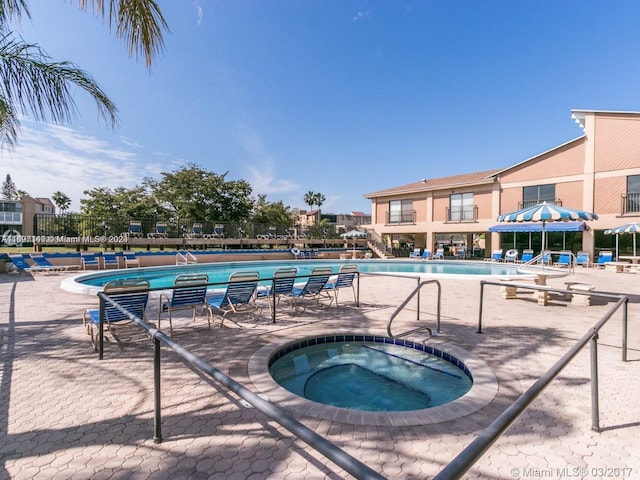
{"x":17,"y":216}
{"x":599,"y":171}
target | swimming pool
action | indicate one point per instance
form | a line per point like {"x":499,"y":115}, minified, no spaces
{"x":218,"y":272}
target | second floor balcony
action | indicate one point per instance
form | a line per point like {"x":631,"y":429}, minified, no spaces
{"x":462,"y":214}
{"x":630,"y":204}
{"x":400,"y":217}
{"x":531,"y":203}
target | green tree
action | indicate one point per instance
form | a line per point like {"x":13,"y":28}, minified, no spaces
{"x":61,"y":200}
{"x":137,"y":203}
{"x":9,"y":190}
{"x":200,"y":195}
{"x":33,"y":83}
{"x":272,"y":213}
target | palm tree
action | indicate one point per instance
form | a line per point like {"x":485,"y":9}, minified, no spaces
{"x":33,"y":83}
{"x":318,"y":199}
{"x":310,"y":199}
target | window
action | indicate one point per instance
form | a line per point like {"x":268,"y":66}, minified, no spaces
{"x":461,"y":207}
{"x":538,"y":194}
{"x":401,"y":211}
{"x":633,"y":193}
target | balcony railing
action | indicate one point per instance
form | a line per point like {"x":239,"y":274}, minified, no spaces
{"x":531,"y":203}
{"x":462,"y":214}
{"x":398,"y":218}
{"x":630,"y":203}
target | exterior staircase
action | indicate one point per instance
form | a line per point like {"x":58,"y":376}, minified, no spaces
{"x":375,"y":243}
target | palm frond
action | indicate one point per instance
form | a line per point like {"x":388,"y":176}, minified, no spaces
{"x":37,"y":85}
{"x":9,"y":124}
{"x":13,"y":9}
{"x":139,"y":23}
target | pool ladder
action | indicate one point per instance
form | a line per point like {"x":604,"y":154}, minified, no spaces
{"x":414,"y":293}
{"x":185,"y":258}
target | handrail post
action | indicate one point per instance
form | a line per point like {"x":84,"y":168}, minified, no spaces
{"x":595,"y":400}
{"x":624,"y":330}
{"x":103,"y":313}
{"x":418,"y":299}
{"x":481,"y":302}
{"x":273,"y":300}
{"x":157,"y":429}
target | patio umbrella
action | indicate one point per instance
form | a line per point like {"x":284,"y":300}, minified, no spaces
{"x":628,"y":228}
{"x":353,"y":234}
{"x":546,"y":212}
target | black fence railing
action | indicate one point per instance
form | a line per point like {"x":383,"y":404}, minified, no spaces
{"x":78,"y":225}
{"x":462,"y":214}
{"x":401,"y":217}
{"x":630,"y":203}
{"x":531,"y":203}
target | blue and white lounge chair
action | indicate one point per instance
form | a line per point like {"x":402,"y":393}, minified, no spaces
{"x":544,"y":258}
{"x":564,"y":260}
{"x":110,"y":260}
{"x":238,"y":297}
{"x":603,"y":257}
{"x":161,"y":231}
{"x":19,"y":265}
{"x":89,"y":260}
{"x":527,"y":255}
{"x":583,"y":259}
{"x":131,"y":260}
{"x":189,"y":293}
{"x":345,"y":279}
{"x":281,"y":286}
{"x":415,"y":253}
{"x":196,"y":231}
{"x":41,"y":261}
{"x":439,"y":255}
{"x":135,"y":228}
{"x":426,"y":254}
{"x":461,"y":253}
{"x":132,"y":295}
{"x":313,"y":289}
{"x":496,"y":255}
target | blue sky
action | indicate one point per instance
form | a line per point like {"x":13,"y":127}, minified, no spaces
{"x":335,"y":96}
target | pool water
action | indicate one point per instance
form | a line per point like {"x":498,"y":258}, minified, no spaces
{"x":371,"y":376}
{"x":164,"y":277}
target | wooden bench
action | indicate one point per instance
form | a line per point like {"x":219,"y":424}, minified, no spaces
{"x":582,"y":299}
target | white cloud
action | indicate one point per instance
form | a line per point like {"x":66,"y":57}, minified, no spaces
{"x":198,"y":9}
{"x":263,"y":173}
{"x":50,"y":158}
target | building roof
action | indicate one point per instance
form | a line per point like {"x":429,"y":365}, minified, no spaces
{"x":427,"y":184}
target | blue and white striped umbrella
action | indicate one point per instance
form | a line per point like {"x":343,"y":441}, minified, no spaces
{"x":546,"y":212}
{"x":628,"y":228}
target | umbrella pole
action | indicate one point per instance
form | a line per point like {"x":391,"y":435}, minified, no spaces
{"x":617,"y":238}
{"x":634,"y":244}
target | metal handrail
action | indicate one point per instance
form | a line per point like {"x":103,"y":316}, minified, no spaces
{"x":186,"y":258}
{"x":414,"y":292}
{"x":313,"y":439}
{"x":472,"y":453}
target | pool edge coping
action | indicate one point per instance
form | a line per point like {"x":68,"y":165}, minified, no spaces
{"x":482,"y":392}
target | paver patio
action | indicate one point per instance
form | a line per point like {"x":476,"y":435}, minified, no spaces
{"x":65,"y":414}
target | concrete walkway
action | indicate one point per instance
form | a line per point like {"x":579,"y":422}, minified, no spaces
{"x":65,"y":414}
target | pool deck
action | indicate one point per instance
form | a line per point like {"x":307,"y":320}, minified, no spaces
{"x":65,"y":414}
